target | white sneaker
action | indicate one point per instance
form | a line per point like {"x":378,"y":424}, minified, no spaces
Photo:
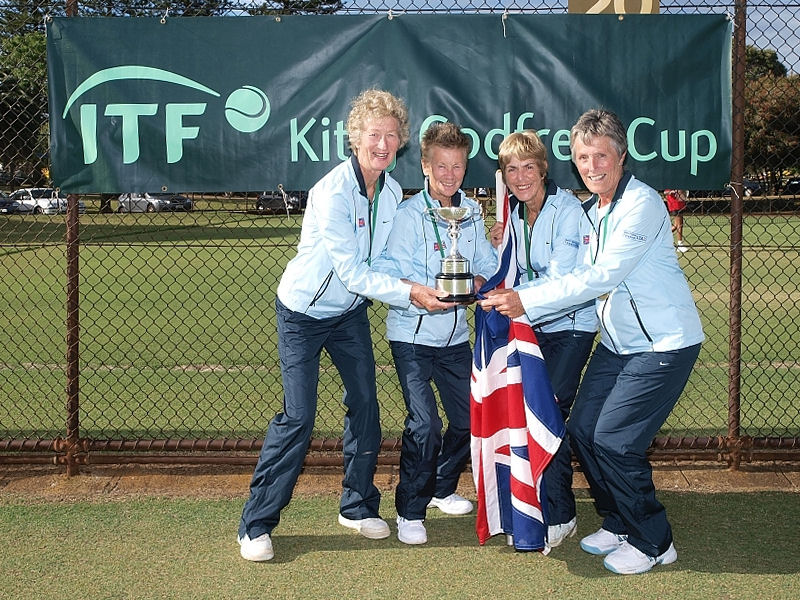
{"x":411,"y":532}
{"x":629,"y":560}
{"x":373,"y":528}
{"x":558,"y":533}
{"x":681,"y":246}
{"x":257,"y":550}
{"x":602,"y":541}
{"x":452,"y":505}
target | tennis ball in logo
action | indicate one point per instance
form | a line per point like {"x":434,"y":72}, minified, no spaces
{"x":247,"y":109}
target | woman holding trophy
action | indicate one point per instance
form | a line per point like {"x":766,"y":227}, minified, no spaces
{"x":437,"y":239}
{"x":322,"y":303}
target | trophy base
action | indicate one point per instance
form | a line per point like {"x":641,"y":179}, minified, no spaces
{"x":455,"y":283}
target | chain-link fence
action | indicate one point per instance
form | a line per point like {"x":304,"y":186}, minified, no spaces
{"x":141,"y":328}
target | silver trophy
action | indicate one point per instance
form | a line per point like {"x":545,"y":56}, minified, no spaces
{"x":455,"y":281}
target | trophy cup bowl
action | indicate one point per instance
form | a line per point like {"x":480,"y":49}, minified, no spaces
{"x":455,"y":281}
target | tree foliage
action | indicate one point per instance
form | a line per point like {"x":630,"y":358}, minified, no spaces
{"x":761,"y":62}
{"x":772,"y":118}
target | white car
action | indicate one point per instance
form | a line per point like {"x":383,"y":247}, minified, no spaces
{"x":40,"y":201}
{"x":153,"y":202}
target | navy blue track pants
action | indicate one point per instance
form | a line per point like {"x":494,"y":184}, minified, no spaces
{"x":301,"y":339}
{"x":622,"y":402}
{"x":430,"y":463}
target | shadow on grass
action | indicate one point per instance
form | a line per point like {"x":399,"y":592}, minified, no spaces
{"x":726,"y":533}
{"x":742,"y":533}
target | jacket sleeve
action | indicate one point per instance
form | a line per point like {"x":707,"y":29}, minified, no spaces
{"x":334,"y":213}
{"x":633,"y":233}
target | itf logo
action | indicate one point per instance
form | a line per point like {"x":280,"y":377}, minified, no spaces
{"x":247,"y":110}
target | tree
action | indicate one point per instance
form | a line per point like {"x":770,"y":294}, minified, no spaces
{"x":23,"y":105}
{"x":772,"y":117}
{"x":761,"y":62}
{"x":290,"y":7}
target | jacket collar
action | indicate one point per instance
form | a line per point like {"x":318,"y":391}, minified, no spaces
{"x":362,"y":186}
{"x":623,"y":183}
{"x":551,"y":189}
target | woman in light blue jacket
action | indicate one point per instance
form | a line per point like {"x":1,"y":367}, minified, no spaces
{"x":545,"y":222}
{"x":650,"y":340}
{"x":322,"y":302}
{"x":434,"y":347}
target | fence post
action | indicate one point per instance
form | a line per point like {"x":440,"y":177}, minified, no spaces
{"x":73,"y":337}
{"x":737,"y":172}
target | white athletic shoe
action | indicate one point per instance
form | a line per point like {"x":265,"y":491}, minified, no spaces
{"x":411,"y":532}
{"x":558,"y":533}
{"x":373,"y":528}
{"x":452,"y":505}
{"x":629,"y":560}
{"x":257,"y":550}
{"x":602,"y":541}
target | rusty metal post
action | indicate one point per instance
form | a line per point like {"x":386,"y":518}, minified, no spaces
{"x":73,"y":337}
{"x":73,"y":330}
{"x":737,"y":172}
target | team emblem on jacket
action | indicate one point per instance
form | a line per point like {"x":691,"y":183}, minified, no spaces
{"x":586,"y":240}
{"x":361,"y":222}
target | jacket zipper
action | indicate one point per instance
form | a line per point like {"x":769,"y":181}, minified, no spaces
{"x":321,"y":290}
{"x":638,"y":317}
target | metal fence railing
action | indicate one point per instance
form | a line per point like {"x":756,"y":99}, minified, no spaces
{"x":150,"y":336}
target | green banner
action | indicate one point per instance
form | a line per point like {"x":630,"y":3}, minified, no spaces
{"x":245,"y":103}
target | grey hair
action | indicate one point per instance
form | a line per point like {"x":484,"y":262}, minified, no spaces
{"x":597,"y":123}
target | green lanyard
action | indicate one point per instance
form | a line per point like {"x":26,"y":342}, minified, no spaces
{"x":527,"y":241}
{"x":435,"y":226}
{"x":373,"y":218}
{"x":602,"y":234}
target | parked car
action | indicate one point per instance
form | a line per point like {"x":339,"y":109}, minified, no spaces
{"x":280,"y":200}
{"x":153,"y":202}
{"x":791,"y":187}
{"x":40,"y":201}
{"x":750,"y":187}
{"x":9,"y":206}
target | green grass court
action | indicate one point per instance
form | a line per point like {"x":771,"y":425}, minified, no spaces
{"x":730,"y":546}
{"x":178,"y":337}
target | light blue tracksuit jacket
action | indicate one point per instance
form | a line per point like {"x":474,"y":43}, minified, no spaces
{"x":333,"y":271}
{"x":413,"y":252}
{"x":553,"y":245}
{"x":628,"y":264}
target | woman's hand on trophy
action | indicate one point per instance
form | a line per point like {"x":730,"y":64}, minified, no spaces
{"x":426,"y":297}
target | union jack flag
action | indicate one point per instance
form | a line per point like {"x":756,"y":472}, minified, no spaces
{"x":515,"y":421}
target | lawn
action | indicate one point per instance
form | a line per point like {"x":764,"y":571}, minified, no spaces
{"x":730,"y":546}
{"x":177,"y":333}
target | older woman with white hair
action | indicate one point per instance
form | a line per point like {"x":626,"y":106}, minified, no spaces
{"x":650,"y":335}
{"x":322,"y":303}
